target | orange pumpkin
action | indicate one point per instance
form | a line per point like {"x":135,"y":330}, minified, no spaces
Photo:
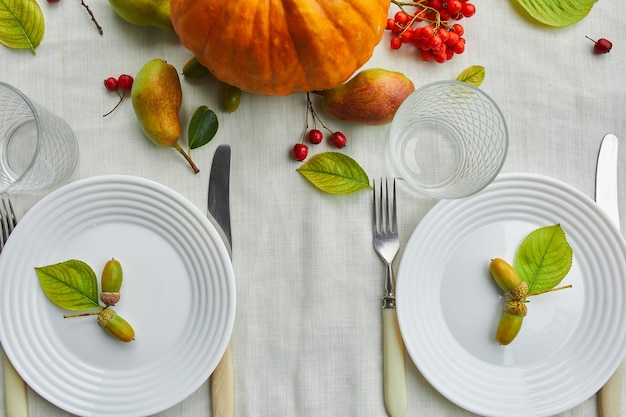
{"x":278,"y":47}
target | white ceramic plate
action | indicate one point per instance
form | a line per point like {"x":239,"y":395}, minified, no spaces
{"x":178,"y":294}
{"x":448,"y":305}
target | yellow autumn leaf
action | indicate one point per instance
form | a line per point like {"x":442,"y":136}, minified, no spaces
{"x":21,"y":24}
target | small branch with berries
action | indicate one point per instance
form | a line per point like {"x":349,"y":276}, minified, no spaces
{"x":431,"y":26}
{"x":314,"y":135}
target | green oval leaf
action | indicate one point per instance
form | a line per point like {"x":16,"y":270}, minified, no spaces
{"x":335,"y":173}
{"x":202,"y":127}
{"x":21,"y":24}
{"x":557,"y":12}
{"x":472,"y":75}
{"x":544,"y":258}
{"x":71,"y":285}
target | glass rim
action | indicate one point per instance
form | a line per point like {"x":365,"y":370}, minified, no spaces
{"x":396,"y":159}
{"x":37,"y":120}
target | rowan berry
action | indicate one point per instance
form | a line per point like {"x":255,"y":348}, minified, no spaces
{"x":396,"y":43}
{"x":468,"y":10}
{"x":401,"y":17}
{"x":454,"y":7}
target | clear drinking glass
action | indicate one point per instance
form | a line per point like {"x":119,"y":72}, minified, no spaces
{"x":38,"y":150}
{"x":448,"y":140}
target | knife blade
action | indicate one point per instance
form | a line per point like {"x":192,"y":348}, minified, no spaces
{"x":610,"y":395}
{"x":222,"y":380}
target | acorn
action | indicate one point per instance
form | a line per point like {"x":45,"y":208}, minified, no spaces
{"x":111,"y":282}
{"x":115,"y":325}
{"x":508,"y":279}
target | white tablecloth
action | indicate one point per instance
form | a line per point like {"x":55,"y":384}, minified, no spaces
{"x":307,"y":337}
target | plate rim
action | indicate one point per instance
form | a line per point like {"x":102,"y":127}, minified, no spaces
{"x":214,"y":241}
{"x":441,"y":206}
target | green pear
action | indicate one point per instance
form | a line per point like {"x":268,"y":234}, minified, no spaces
{"x":155,"y":13}
{"x":157,"y":96}
{"x":371,"y":97}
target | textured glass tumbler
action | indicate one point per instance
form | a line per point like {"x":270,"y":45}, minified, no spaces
{"x":38,"y":150}
{"x":448,"y":140}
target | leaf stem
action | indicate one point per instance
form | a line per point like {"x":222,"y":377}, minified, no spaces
{"x":550,"y":290}
{"x":91,"y":313}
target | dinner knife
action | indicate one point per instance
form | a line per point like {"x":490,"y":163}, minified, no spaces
{"x":222,"y":380}
{"x":610,"y":395}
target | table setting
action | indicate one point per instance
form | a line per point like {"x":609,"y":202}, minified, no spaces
{"x":257,"y":286}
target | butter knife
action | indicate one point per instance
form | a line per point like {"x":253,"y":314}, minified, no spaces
{"x":610,"y":395}
{"x":222,"y":380}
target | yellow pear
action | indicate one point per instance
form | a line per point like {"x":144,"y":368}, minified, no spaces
{"x":155,"y":13}
{"x":157,"y":96}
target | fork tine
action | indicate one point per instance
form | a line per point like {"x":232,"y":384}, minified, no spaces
{"x":12,"y":220}
{"x":394,"y":222}
{"x":7,"y":221}
{"x":4,"y":227}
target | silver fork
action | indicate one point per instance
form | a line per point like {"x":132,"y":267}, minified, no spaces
{"x":15,"y":402}
{"x":387,"y":244}
{"x":7,"y":221}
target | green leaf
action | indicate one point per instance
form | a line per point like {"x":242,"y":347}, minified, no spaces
{"x":71,"y":285}
{"x":557,"y":12}
{"x":472,"y":75}
{"x":202,"y":127}
{"x":335,"y":173}
{"x":21,"y":24}
{"x":544,"y":258}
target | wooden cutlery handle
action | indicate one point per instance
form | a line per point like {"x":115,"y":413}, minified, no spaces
{"x":223,"y":386}
{"x":394,"y":378}
{"x":15,"y":403}
{"x":610,"y":396}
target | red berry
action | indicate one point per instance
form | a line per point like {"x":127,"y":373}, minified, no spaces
{"x":110,"y":84}
{"x":468,"y":10}
{"x":453,"y":38}
{"x":459,"y":47}
{"x":339,"y":139}
{"x":427,"y":32}
{"x":395,"y":43}
{"x":458,"y":29}
{"x":315,"y":136}
{"x":443,"y":34}
{"x":436,"y":4}
{"x":300,"y":151}
{"x":435,"y":42}
{"x":454,"y":7}
{"x":601,"y":46}
{"x":407,"y":35}
{"x":401,"y":17}
{"x":125,"y":82}
{"x":390,"y":24}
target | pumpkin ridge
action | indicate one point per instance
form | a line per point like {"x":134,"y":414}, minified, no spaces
{"x":279,"y":47}
{"x":310,"y":44}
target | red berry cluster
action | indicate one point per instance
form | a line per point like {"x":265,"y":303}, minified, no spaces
{"x":314,"y":135}
{"x":124,"y":83}
{"x":431,"y":26}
